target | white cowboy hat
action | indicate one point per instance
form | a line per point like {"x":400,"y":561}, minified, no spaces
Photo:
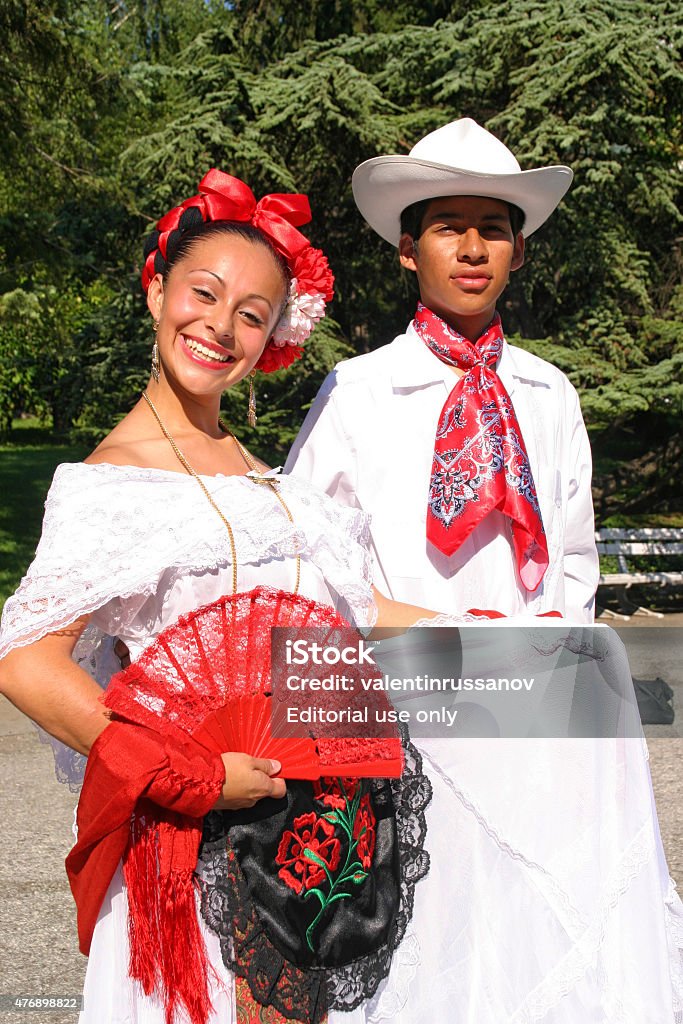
{"x":459,"y":159}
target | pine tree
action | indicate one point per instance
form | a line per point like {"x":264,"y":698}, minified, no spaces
{"x":143,"y":97}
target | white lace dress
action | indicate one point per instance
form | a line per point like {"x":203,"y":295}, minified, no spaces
{"x":547,"y":898}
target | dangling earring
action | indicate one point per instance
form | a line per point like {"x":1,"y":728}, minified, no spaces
{"x":251,"y":411}
{"x":155,"y":354}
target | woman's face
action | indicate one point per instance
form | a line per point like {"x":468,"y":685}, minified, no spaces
{"x":216,"y":310}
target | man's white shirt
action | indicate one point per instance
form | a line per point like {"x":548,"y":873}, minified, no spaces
{"x":368,"y":441}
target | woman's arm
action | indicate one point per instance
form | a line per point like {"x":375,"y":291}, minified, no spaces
{"x":42,"y":681}
{"x":396,"y":615}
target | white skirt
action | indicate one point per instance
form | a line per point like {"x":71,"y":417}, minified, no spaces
{"x":547,"y":900}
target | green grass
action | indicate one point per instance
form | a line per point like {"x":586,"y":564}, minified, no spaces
{"x":27,"y":462}
{"x":640,"y":520}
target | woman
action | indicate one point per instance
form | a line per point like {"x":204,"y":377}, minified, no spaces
{"x":169,"y":514}
{"x":545,"y":861}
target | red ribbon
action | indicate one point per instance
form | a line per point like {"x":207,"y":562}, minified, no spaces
{"x":222,"y":197}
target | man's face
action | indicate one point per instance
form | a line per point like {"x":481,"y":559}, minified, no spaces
{"x":463,"y":259}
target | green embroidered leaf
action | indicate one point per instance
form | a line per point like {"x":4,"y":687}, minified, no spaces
{"x":346,"y":824}
{"x":359,"y":876}
{"x":309,"y":931}
{"x":332,"y":817}
{"x":312,"y":855}
{"x":339,"y":896}
{"x":355,"y":866}
{"x":318,"y":893}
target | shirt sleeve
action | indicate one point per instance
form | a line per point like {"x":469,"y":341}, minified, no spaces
{"x":323,"y":453}
{"x":581,"y":563}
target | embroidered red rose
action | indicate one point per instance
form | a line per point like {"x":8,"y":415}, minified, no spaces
{"x":364,"y":831}
{"x":329,"y":790}
{"x":313,"y":833}
{"x":313,"y":273}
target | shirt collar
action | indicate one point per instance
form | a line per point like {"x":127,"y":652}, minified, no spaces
{"x":414,"y":365}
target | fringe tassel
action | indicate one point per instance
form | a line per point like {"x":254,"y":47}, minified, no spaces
{"x":140,"y":871}
{"x":167,"y":951}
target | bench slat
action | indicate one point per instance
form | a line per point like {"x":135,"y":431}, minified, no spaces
{"x":649,"y":542}
{"x":621,"y":579}
{"x":644,"y":534}
{"x":639,"y":548}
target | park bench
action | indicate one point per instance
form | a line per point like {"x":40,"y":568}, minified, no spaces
{"x":625,"y":544}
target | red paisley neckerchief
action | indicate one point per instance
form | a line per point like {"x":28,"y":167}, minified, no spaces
{"x":480,"y":459}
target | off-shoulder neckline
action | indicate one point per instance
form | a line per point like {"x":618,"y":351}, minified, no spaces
{"x":132,"y":469}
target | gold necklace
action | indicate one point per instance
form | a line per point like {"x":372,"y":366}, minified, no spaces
{"x":257,"y":477}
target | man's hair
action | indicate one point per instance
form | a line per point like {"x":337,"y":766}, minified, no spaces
{"x":413,"y":215}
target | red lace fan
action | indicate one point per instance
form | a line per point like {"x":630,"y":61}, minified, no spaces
{"x":209,"y":675}
{"x":244,"y":723}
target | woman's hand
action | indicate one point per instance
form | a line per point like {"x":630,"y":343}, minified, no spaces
{"x":247,"y":780}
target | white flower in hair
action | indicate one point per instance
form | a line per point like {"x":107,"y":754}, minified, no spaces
{"x":301,"y":314}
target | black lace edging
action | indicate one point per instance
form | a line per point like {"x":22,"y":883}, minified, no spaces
{"x":307,"y":994}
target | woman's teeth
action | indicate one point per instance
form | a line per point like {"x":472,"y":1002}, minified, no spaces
{"x":206,"y":353}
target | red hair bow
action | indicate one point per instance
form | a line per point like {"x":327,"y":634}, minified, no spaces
{"x":277,"y":216}
{"x":222,"y":197}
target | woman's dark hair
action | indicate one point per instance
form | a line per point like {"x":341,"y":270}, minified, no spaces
{"x":192,"y":228}
{"x":413,"y":215}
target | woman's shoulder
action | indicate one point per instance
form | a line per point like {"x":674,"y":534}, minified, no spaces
{"x":129,"y":444}
{"x":114,"y":453}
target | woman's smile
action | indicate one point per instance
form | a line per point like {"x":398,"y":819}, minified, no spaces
{"x":205,"y":352}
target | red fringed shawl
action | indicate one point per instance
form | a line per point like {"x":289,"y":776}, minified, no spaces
{"x":169,"y":783}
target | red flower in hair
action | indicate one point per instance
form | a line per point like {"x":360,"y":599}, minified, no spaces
{"x":224,"y":198}
{"x":364,"y":831}
{"x":278,"y":358}
{"x":313,"y":833}
{"x":313,"y":274}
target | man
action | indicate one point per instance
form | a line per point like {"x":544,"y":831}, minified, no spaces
{"x":470,"y":454}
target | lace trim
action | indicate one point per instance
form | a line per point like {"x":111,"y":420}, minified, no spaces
{"x":444,"y":619}
{"x":94,"y":653}
{"x":673,"y":908}
{"x":387,"y":1004}
{"x":69,"y":764}
{"x":307,"y":995}
{"x":348,"y":987}
{"x":133,"y":525}
{"x":569,"y":971}
{"x":573,"y":920}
